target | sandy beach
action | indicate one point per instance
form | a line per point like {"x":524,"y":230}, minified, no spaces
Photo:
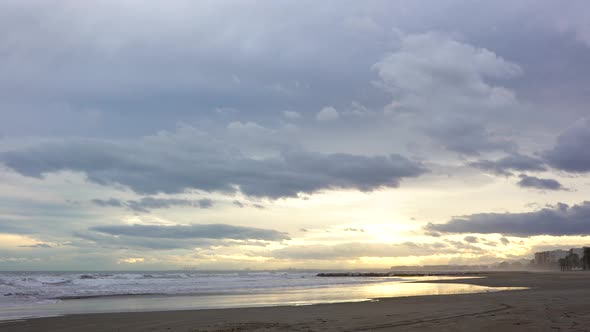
{"x":554,"y":302}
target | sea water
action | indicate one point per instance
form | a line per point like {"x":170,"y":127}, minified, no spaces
{"x":38,"y":294}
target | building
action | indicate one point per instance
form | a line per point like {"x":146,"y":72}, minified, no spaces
{"x":572,"y":259}
{"x":550,"y":257}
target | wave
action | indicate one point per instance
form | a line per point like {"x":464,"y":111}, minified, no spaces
{"x":35,"y":287}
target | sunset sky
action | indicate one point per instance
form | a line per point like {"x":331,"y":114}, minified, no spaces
{"x":303,"y":134}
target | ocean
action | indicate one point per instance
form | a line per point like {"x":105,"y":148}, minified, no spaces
{"x":41,"y":294}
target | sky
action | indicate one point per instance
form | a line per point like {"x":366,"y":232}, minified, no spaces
{"x":145,"y":135}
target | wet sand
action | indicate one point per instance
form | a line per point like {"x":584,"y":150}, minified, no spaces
{"x":555,"y":302}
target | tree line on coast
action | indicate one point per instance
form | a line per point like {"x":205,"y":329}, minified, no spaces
{"x":573,"y":261}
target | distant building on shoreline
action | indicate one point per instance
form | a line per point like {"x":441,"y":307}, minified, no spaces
{"x":566,"y":260}
{"x":550,"y":257}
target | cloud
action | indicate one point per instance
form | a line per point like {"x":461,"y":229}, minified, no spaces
{"x":471,"y":239}
{"x":173,"y":163}
{"x":15,"y":226}
{"x":491,"y":243}
{"x":504,"y":241}
{"x":147,"y":203}
{"x":350,"y":229}
{"x":359,"y":110}
{"x":571,"y":152}
{"x":18,"y":259}
{"x":204,"y":203}
{"x":467,"y":137}
{"x":433,"y":234}
{"x":458,"y":89}
{"x":189,"y":237}
{"x":37,"y":245}
{"x":131,"y":260}
{"x":291,"y":115}
{"x":466,"y":247}
{"x":512,"y":162}
{"x":355,"y":250}
{"x":111,"y":202}
{"x":236,"y":63}
{"x":109,"y":241}
{"x":571,"y":18}
{"x":195,"y":231}
{"x":326,"y":114}
{"x":247,"y":128}
{"x":538,"y":183}
{"x":226,"y":110}
{"x":444,"y":87}
{"x":560,"y":220}
{"x":435,"y":63}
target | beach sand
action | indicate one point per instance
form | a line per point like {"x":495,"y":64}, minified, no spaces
{"x":555,"y":302}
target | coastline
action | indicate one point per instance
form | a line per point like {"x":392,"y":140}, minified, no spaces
{"x":554,"y":301}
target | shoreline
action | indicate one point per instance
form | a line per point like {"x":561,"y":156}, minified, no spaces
{"x":550,"y":296}
{"x":342,"y":293}
{"x":452,"y":277}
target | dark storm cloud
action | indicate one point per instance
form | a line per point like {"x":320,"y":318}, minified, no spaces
{"x":205,"y":231}
{"x":558,"y":221}
{"x":354,"y":250}
{"x":571,"y":152}
{"x":539,"y":183}
{"x":512,"y":162}
{"x":158,"y":165}
{"x":147,"y":203}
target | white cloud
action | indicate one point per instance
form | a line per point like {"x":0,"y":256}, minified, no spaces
{"x":328,"y":113}
{"x":444,"y":87}
{"x":131,"y":260}
{"x":358,"y":109}
{"x":292,"y":115}
{"x":247,"y":128}
{"x":434,"y":70}
{"x":226,"y":110}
